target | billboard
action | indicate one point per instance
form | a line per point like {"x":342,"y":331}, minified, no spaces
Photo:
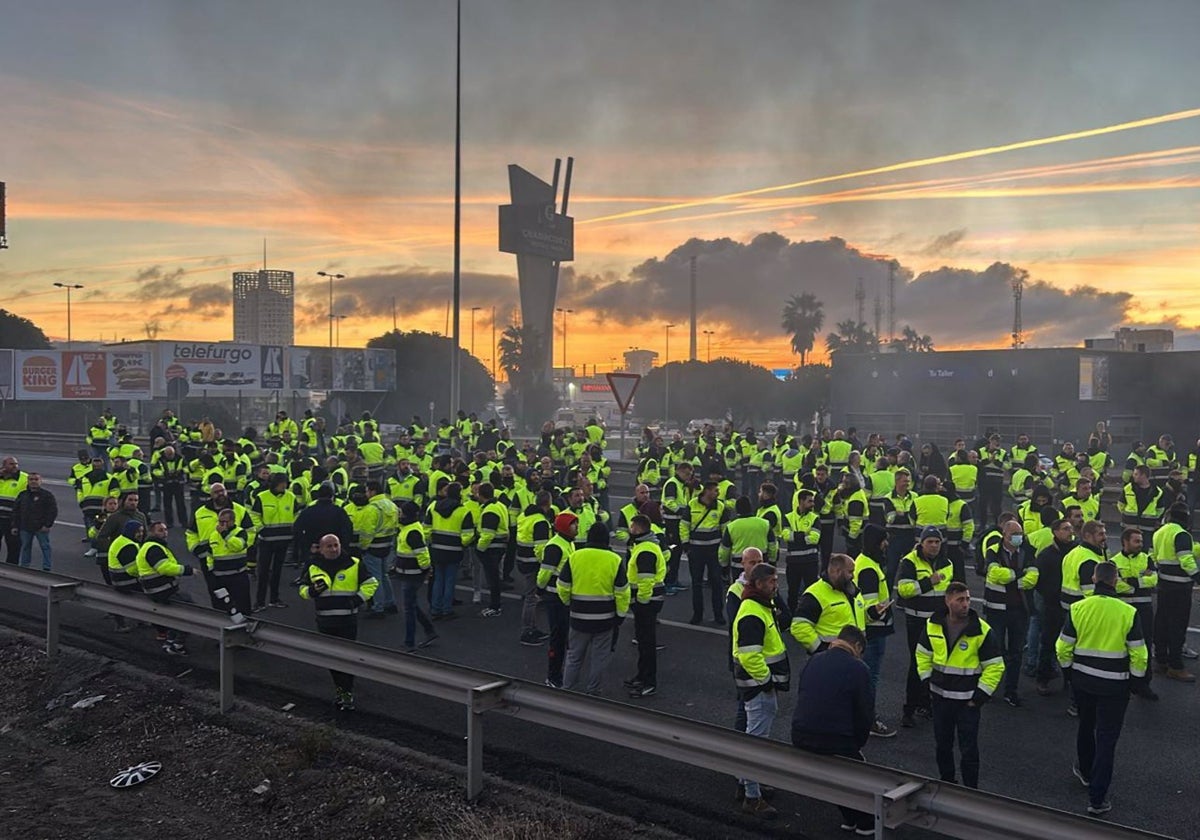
{"x":342,"y":369}
{"x":38,"y":374}
{"x":78,"y":375}
{"x":6,"y":375}
{"x":1093,"y":378}
{"x":128,"y":374}
{"x":537,"y":230}
{"x":84,"y":375}
{"x":194,"y":366}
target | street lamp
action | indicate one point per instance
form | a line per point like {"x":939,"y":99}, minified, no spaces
{"x":474,"y":309}
{"x":708,"y":334}
{"x":565,"y":313}
{"x":339,"y":319}
{"x":331,"y":277}
{"x":667,"y":379}
{"x":68,"y":287}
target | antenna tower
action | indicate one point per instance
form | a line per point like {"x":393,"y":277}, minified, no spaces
{"x":1018,"y":289}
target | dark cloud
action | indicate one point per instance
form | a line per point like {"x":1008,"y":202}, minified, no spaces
{"x":745,"y":285}
{"x":414,"y":289}
{"x":155,"y":283}
{"x":206,"y":302}
{"x":940,"y":245}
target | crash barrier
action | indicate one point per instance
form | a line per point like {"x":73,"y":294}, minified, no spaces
{"x":894,"y":797}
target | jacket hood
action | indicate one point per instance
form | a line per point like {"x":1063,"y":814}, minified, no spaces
{"x":445,"y":507}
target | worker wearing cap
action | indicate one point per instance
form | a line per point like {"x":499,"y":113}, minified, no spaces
{"x":554,"y":555}
{"x":921,"y":582}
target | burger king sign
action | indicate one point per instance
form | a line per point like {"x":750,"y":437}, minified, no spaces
{"x":39,"y":375}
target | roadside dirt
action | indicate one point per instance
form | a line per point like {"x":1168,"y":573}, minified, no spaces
{"x":257,"y":773}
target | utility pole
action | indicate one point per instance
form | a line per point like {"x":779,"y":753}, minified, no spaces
{"x":667,"y":378}
{"x":692,"y":346}
{"x":68,"y":287}
{"x":331,"y":277}
{"x":860,"y":301}
{"x":455,"y":357}
{"x":892,"y":300}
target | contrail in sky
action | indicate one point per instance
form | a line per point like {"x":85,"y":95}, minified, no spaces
{"x":908,"y":164}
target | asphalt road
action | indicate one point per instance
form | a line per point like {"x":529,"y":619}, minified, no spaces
{"x":1026,"y":753}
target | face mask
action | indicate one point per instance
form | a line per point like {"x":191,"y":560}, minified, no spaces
{"x":1016,"y":540}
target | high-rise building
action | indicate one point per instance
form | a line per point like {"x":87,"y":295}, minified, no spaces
{"x":264,"y":307}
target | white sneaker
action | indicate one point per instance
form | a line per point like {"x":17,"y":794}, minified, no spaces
{"x":477,"y":598}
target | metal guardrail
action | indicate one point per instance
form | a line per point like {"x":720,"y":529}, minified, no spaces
{"x":894,"y":797}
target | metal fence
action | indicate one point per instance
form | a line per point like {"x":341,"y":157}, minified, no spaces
{"x":894,"y":797}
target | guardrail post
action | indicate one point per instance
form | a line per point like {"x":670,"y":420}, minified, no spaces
{"x":231,"y":638}
{"x":480,"y":698}
{"x":56,"y":593}
{"x":886,"y":810}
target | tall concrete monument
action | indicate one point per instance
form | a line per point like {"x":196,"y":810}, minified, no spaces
{"x":538,"y":231}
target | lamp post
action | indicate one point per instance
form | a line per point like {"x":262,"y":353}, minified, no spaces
{"x":68,"y":287}
{"x":339,"y":319}
{"x":708,"y":334}
{"x":667,"y":378}
{"x":474,"y":309}
{"x":565,"y":313}
{"x":331,"y":277}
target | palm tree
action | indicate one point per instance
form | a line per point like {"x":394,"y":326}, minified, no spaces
{"x":521,"y":348}
{"x":910,"y":341}
{"x":854,"y":336}
{"x":803,"y":317}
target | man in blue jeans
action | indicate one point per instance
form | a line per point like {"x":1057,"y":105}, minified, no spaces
{"x":452,"y":530}
{"x":761,"y":669}
{"x":33,"y":516}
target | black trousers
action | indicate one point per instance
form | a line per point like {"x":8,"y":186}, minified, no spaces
{"x":1052,"y":622}
{"x":1171,"y":623}
{"x":347,"y":630}
{"x":957,"y":717}
{"x":510,"y":554}
{"x":1101,"y":717}
{"x":991,"y":500}
{"x":490,"y":560}
{"x":826,"y":545}
{"x":916,"y":692}
{"x":271,"y":558}
{"x":801,"y":574}
{"x":237,"y":588}
{"x":672,"y":528}
{"x":11,"y":541}
{"x":172,"y":505}
{"x":645,"y":630}
{"x":703,"y":562}
{"x":558,"y":617}
{"x":1011,"y":627}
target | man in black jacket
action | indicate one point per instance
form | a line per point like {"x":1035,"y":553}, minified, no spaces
{"x":834,"y":711}
{"x":1049,"y":585}
{"x":315,"y":521}
{"x":33,"y":516}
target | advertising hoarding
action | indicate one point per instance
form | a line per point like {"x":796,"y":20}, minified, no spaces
{"x":128,"y":374}
{"x":196,"y":366}
{"x":78,"y":375}
{"x":6,"y":375}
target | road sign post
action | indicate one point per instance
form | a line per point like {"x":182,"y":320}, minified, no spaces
{"x":623,"y":386}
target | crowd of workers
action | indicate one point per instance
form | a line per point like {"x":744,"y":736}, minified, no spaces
{"x":363,"y":519}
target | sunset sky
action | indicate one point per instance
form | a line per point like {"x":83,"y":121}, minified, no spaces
{"x":150,"y":147}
